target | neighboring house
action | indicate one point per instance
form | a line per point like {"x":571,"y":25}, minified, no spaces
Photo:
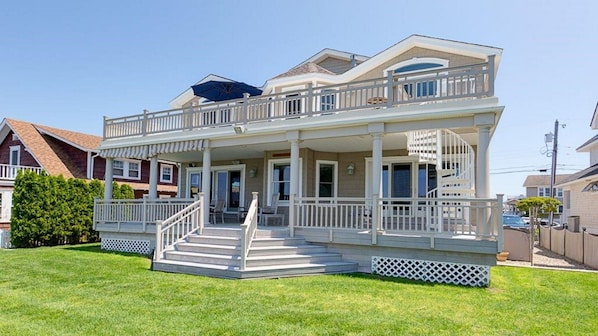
{"x":539,"y":185}
{"x":581,"y":189}
{"x":397,"y":142}
{"x":28,"y":146}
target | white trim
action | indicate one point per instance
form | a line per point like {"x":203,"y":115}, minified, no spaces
{"x":413,"y":159}
{"x":126,"y":169}
{"x":416,"y":60}
{"x":17,"y":149}
{"x":199,"y":170}
{"x":334,"y":178}
{"x":162,"y":166}
{"x":269,"y":181}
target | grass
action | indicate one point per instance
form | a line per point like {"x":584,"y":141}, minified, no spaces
{"x":81,"y":290}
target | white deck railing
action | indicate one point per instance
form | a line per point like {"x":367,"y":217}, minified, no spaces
{"x":248,"y":229}
{"x":472,"y":81}
{"x":9,"y":172}
{"x":137,"y":211}
{"x":179,"y":226}
{"x":451,"y":216}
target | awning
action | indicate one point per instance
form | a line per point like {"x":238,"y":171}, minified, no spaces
{"x":146,"y":151}
{"x":133,"y":152}
{"x":175,"y":147}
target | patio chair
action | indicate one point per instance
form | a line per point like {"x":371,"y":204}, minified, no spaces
{"x":271,"y":211}
{"x":218,"y":208}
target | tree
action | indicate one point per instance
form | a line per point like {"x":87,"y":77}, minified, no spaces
{"x":536,"y":207}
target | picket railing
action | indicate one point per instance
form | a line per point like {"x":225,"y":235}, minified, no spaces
{"x":179,"y":226}
{"x":472,"y":81}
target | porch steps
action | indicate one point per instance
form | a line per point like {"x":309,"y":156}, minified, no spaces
{"x":272,"y":254}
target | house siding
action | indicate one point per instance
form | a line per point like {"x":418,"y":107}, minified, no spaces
{"x":583,"y":204}
{"x":26,"y":159}
{"x":454,"y":60}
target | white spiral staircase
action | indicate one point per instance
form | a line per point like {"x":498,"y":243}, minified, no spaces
{"x":453,"y":157}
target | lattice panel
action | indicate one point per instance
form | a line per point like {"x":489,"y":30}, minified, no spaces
{"x":126,"y":245}
{"x":432,"y":271}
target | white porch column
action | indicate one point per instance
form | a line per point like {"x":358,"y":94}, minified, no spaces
{"x":206,"y":178}
{"x":376,"y":163}
{"x":108,"y":178}
{"x":482,"y":188}
{"x":294,"y":167}
{"x":153,"y":178}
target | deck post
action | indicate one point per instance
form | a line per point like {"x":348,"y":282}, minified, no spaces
{"x":389,"y":83}
{"x":375,"y":218}
{"x":245,"y":112}
{"x":144,"y":213}
{"x":158,"y":249}
{"x":206,"y":180}
{"x":153,"y":178}
{"x":498,"y":221}
{"x":491,"y":75}
{"x":199,"y":216}
{"x":309,"y":99}
{"x":144,"y":123}
{"x":108,"y":179}
{"x":292,"y":215}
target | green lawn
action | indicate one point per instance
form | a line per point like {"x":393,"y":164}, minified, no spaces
{"x":80,"y":290}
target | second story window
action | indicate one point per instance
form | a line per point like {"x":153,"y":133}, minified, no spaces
{"x":166,"y":173}
{"x":545,"y":192}
{"x":128,"y":169}
{"x":15,"y":155}
{"x":327,"y":100}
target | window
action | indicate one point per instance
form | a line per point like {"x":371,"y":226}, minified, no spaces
{"x":326,"y":176}
{"x":15,"y":155}
{"x":545,"y":192}
{"x":294,"y":105}
{"x":419,"y":85}
{"x":127,"y":169}
{"x":166,"y":173}
{"x":279,"y":177}
{"x":327,"y":100}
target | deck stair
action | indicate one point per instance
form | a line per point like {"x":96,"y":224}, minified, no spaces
{"x":272,"y":254}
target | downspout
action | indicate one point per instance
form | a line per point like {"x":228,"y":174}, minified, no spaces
{"x":90,"y":161}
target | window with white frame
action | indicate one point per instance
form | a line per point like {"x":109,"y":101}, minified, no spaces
{"x":545,"y":192}
{"x":279,"y":177}
{"x":166,"y":173}
{"x":129,"y":169}
{"x":328,"y":100}
{"x":326,"y":178}
{"x":15,"y":155}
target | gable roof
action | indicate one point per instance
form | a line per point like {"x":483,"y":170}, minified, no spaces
{"x":328,"y":52}
{"x":305,"y":68}
{"x":543,"y":180}
{"x":590,"y":172}
{"x":85,"y":142}
{"x":38,"y":147}
{"x":456,"y":47}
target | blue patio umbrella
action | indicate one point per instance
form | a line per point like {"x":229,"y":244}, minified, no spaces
{"x":219,"y":91}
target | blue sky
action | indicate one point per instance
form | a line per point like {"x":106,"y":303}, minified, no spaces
{"x":69,"y":63}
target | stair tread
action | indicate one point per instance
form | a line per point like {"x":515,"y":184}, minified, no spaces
{"x":214,"y":237}
{"x":292,"y":256}
{"x":284,"y":247}
{"x":226,"y":247}
{"x":258,"y":268}
{"x":200,"y":254}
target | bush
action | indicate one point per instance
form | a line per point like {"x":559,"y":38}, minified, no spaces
{"x":50,"y":210}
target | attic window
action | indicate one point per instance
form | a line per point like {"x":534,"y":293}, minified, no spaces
{"x":15,"y":137}
{"x":592,"y":187}
{"x":417,"y":67}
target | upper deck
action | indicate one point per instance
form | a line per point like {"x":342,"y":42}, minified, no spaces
{"x":443,"y":84}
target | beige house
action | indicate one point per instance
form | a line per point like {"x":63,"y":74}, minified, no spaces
{"x":379,"y":163}
{"x":539,"y":185}
{"x":580,"y":190}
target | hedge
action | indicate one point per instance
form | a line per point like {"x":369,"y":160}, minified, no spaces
{"x":51,"y":210}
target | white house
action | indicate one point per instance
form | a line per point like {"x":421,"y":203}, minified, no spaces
{"x":380,"y":162}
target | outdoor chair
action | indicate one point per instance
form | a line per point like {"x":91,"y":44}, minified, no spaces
{"x":217,"y":209}
{"x":271,"y":211}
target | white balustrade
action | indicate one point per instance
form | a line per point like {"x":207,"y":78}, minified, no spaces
{"x":9,"y":172}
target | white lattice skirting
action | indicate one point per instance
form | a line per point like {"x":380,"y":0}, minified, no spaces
{"x":432,"y":271}
{"x":126,"y":245}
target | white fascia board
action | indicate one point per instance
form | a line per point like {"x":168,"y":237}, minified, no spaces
{"x":300,"y":79}
{"x":4,"y":130}
{"x":333,"y":53}
{"x":594,"y":122}
{"x":587,"y":147}
{"x":586,"y":179}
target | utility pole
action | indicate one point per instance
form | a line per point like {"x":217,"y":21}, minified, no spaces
{"x":553,"y":170}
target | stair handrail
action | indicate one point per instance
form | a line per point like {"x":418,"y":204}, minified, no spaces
{"x":248,"y":229}
{"x":179,"y":226}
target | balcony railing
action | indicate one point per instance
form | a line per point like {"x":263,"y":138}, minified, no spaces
{"x":9,"y":172}
{"x":472,"y":81}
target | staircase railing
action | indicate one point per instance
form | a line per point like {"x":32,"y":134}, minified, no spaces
{"x":248,"y":229}
{"x":179,"y":226}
